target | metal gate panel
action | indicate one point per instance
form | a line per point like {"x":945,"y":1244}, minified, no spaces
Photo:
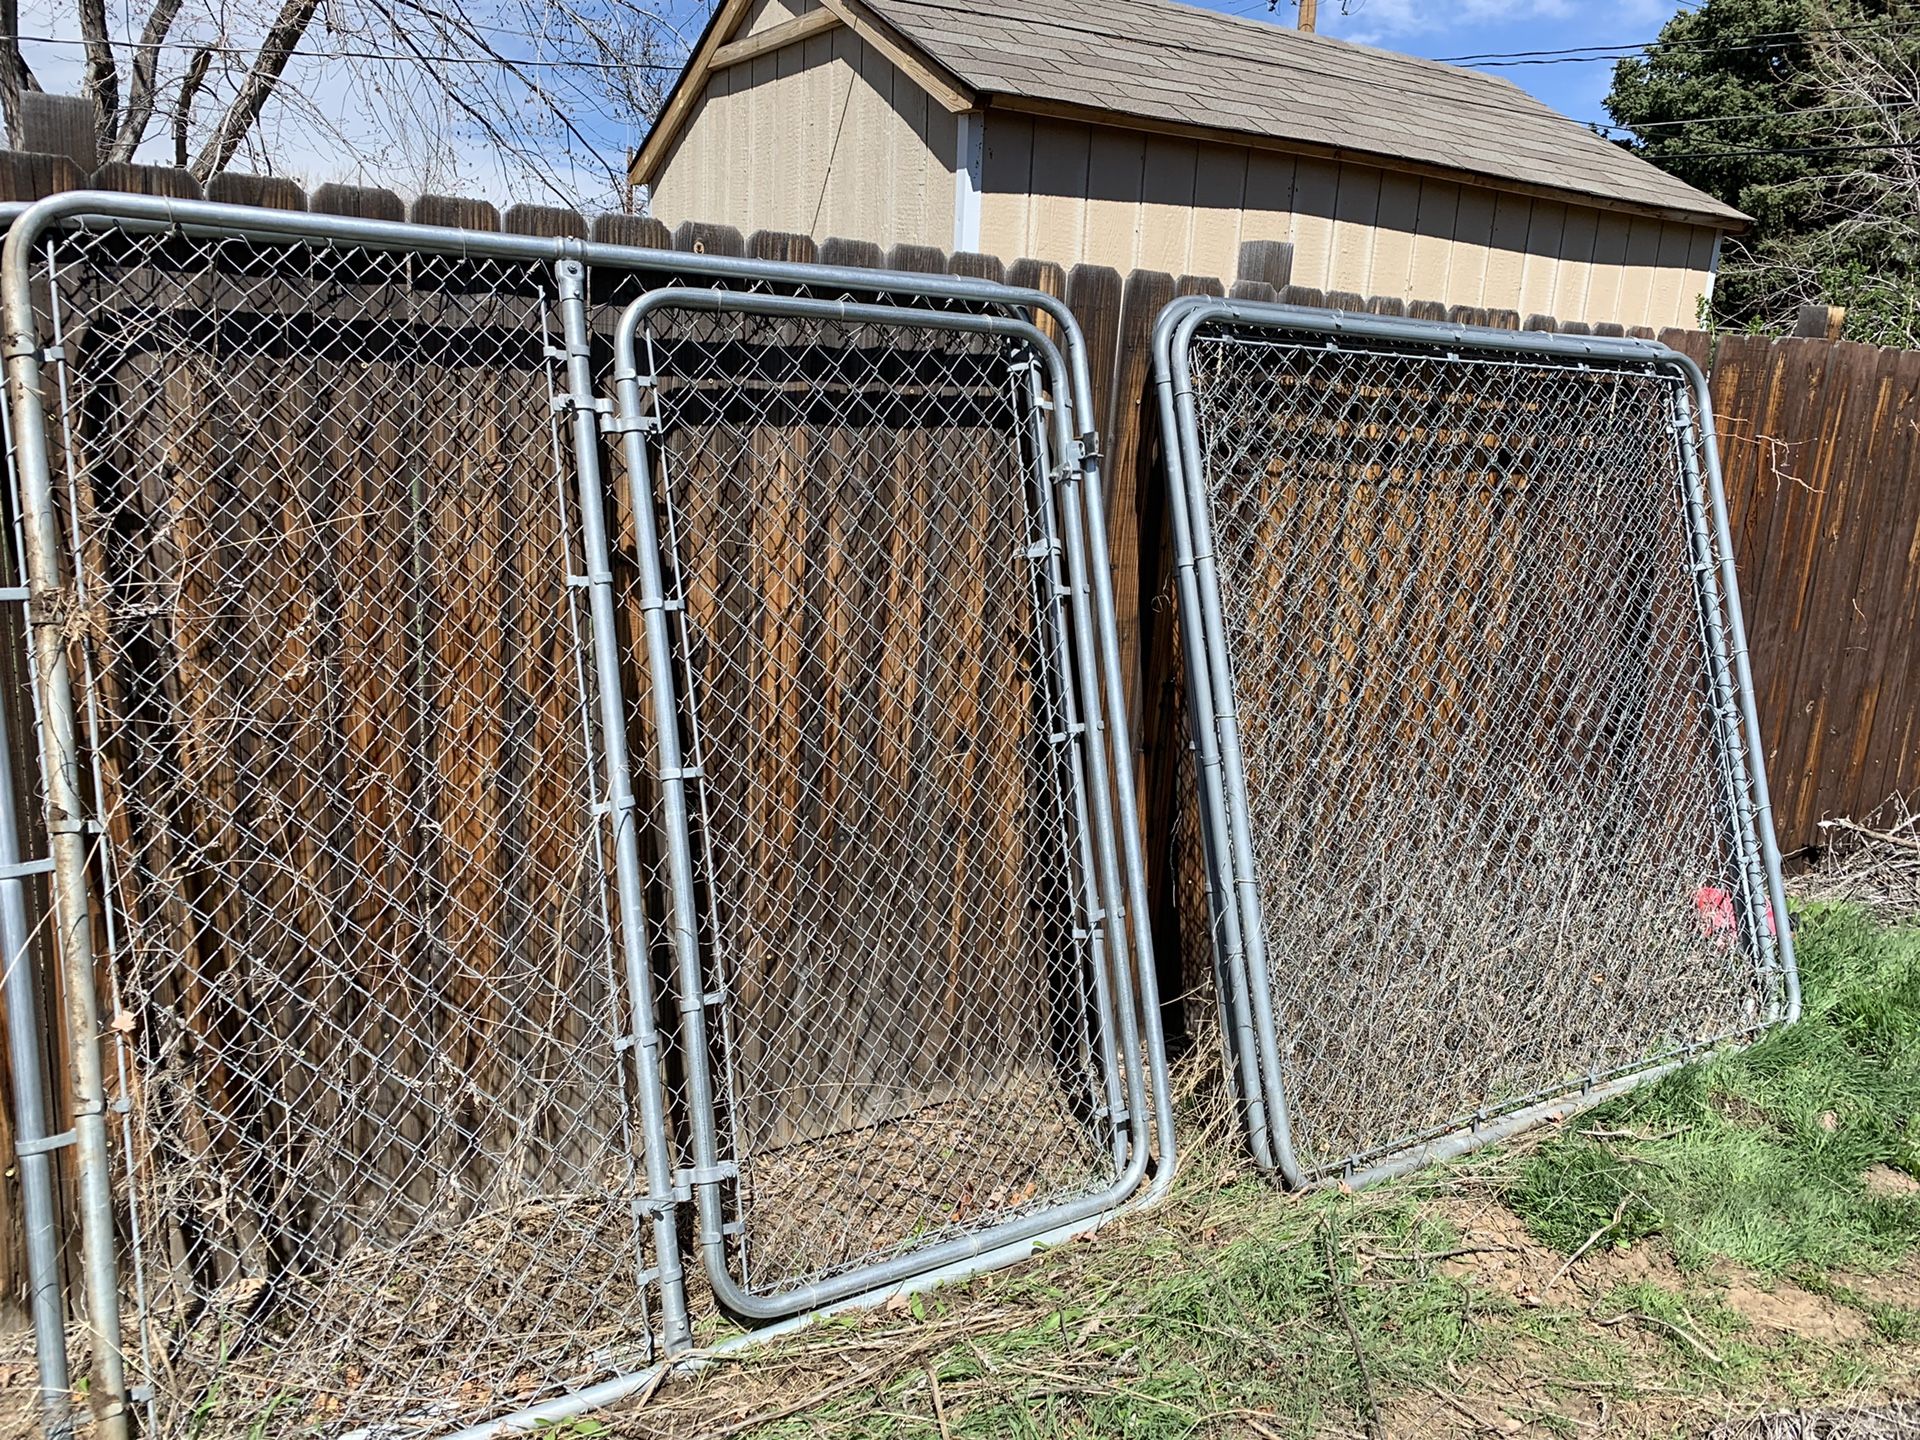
{"x":892,"y":847}
{"x":333,"y":758}
{"x":336,"y":622}
{"x":1482,"y":798}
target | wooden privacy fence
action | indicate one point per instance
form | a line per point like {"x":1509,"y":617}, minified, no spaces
{"x":1820,"y":443}
{"x":1818,"y":439}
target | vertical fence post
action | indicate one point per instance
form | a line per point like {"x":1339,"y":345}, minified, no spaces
{"x":68,"y":829}
{"x":630,"y":885}
{"x":32,"y":1145}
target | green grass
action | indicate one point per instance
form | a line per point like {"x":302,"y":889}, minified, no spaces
{"x":1240,"y":1310}
{"x":1758,"y":1156}
{"x":1296,"y":1312}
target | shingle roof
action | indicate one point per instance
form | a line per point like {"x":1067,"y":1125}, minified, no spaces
{"x":1161,"y":61}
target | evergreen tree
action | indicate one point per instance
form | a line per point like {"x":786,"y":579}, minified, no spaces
{"x":1802,"y":114}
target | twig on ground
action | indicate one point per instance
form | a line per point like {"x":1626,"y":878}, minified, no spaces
{"x":1885,"y":837}
{"x":1498,"y":1427}
{"x":939,"y":1404}
{"x":1619,"y":1212}
{"x":1337,"y":1289}
{"x":1680,"y":1332}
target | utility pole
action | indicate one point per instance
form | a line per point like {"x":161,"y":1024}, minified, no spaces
{"x":1309,"y":13}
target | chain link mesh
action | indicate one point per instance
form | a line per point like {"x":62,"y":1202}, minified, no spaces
{"x":381,"y":1145}
{"x":379,"y":1149}
{"x":887,"y":822}
{"x":1495,"y":805}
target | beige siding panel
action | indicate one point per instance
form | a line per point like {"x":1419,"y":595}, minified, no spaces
{"x":1057,"y":217}
{"x":1114,"y":160}
{"x":1472,"y":235}
{"x":852,"y":192}
{"x":829,"y":138}
{"x":822,"y":98}
{"x":1393,"y":240}
{"x":769,"y":13}
{"x":1507,"y":251}
{"x":1545,"y":234}
{"x":825,"y":137}
{"x":1637,"y":276}
{"x":1005,"y":180}
{"x":714,"y":197}
{"x":1433,"y":240}
{"x":828,"y":176}
{"x":1316,"y":187}
{"x":938,"y":140}
{"x":1219,"y":198}
{"x":1609,"y":255}
{"x":672,"y":191}
{"x":811,"y":80}
{"x":1672,"y":283}
{"x":1166,"y":204}
{"x":1269,"y":198}
{"x":1356,"y":209}
{"x":1699,"y":274}
{"x":887,"y":132}
{"x":1575,"y":271}
{"x":750,"y":193}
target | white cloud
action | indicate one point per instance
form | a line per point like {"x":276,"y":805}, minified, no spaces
{"x":1394,"y":19}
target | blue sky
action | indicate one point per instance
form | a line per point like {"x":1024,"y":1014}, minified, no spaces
{"x":1442,"y":28}
{"x":358,"y":128}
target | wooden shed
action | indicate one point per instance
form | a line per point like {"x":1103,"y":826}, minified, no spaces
{"x":1138,"y":133}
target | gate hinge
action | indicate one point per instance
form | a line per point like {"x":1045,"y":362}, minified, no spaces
{"x":706,"y":1174}
{"x":653,"y":1205}
{"x":611,"y":424}
{"x":563,"y":400}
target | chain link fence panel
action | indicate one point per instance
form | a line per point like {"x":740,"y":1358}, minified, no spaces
{"x":1486,"y":822}
{"x":391,"y":1077}
{"x":890,"y":814}
{"x":376,"y":1146}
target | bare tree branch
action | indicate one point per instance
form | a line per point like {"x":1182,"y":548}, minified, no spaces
{"x":102,"y":82}
{"x":144,"y":82}
{"x":15,"y":76}
{"x":190,"y":84}
{"x":283,"y":36}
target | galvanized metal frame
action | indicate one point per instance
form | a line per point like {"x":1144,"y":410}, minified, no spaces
{"x":709,"y":1172}
{"x":1238,"y":924}
{"x":1122,"y":875}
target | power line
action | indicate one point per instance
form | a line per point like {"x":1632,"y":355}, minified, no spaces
{"x":1791,"y":150}
{"x":1715,"y":119}
{"x":1609,"y":54}
{"x":246,"y":51}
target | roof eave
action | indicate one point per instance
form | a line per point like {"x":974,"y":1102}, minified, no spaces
{"x":1728,"y":220}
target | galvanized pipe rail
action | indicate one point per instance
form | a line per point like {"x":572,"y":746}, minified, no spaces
{"x":1241,"y":926}
{"x":987,"y":307}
